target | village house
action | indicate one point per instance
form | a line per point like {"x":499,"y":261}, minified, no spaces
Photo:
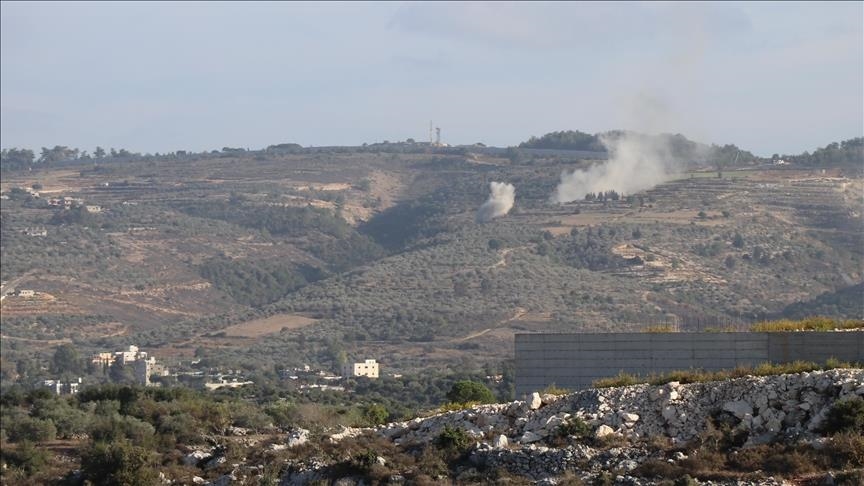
{"x":59,"y":387}
{"x":144,"y":366}
{"x":368,"y":368}
{"x":147,"y":368}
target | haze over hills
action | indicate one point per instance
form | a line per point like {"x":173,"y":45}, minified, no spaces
{"x":377,"y":250}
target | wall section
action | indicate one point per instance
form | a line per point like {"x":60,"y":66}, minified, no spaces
{"x":574,"y":361}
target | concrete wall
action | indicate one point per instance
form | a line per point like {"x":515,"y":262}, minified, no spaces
{"x":574,"y":361}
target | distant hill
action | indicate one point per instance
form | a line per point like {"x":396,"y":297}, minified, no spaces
{"x":846,"y":302}
{"x":678,"y":145}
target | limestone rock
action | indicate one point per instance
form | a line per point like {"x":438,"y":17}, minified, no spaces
{"x":500,"y":442}
{"x":298,"y":437}
{"x":535,"y":402}
{"x":738,"y":408}
{"x":603,"y":431}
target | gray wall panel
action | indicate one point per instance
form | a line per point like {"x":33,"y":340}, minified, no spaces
{"x":574,"y":361}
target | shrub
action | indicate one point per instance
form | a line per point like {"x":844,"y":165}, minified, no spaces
{"x":470,"y":391}
{"x":575,"y":427}
{"x":622,"y":379}
{"x":375,"y":414}
{"x":452,"y":439}
{"x":657,"y":468}
{"x":555,"y":390}
{"x":845,"y":416}
{"x":117,"y":463}
{"x":26,"y":456}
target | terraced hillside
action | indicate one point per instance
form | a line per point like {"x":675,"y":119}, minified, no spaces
{"x":379,"y":255}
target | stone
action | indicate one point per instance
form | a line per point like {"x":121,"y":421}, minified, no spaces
{"x":628,"y":417}
{"x":738,"y":408}
{"x":535,"y":402}
{"x":603,"y":431}
{"x":195,"y":457}
{"x":500,"y":442}
{"x":529,"y":437}
{"x":298,"y":437}
{"x":215,"y":462}
{"x":223,"y":480}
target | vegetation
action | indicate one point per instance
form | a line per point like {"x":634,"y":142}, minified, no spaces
{"x":846,"y":416}
{"x":701,"y":376}
{"x":808,"y":324}
{"x":565,"y":140}
{"x":256,"y":283}
{"x":470,"y":391}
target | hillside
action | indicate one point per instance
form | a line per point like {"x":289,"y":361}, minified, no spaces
{"x":280,"y":258}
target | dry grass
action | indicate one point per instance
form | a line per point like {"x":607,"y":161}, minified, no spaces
{"x":808,"y":324}
{"x":701,"y":376}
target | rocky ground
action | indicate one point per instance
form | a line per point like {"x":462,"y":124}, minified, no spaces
{"x":701,"y":433}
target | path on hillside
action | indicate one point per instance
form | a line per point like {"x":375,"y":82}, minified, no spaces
{"x":520,"y":311}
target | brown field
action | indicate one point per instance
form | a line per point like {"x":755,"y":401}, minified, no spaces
{"x":268,"y":325}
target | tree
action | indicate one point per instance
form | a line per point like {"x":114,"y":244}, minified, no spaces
{"x":738,"y":241}
{"x":66,"y":360}
{"x":375,"y":414}
{"x":57,"y":154}
{"x":470,"y":391}
{"x":99,"y":153}
{"x":16,"y":158}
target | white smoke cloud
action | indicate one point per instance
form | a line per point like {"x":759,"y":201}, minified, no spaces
{"x":499,"y":203}
{"x":636,"y":162}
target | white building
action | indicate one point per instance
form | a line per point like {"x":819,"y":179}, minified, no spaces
{"x":145,"y":368}
{"x":129,"y":356}
{"x":368,"y":368}
{"x":60,"y":388}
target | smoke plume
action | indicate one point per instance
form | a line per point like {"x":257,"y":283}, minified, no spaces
{"x":499,"y":203}
{"x":636,"y":162}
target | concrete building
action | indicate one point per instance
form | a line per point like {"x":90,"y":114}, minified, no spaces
{"x":102,"y":359}
{"x":368,"y":368}
{"x":59,"y":387}
{"x":129,"y":356}
{"x":26,"y":293}
{"x":575,"y":361}
{"x":147,"y":368}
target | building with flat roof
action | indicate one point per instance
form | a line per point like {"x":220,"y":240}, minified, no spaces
{"x":368,"y":368}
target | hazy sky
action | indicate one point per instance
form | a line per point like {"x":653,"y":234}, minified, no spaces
{"x":157,"y":77}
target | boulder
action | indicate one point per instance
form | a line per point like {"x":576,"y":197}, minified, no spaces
{"x":738,"y":408}
{"x":195,"y":457}
{"x":298,"y":437}
{"x":603,"y":431}
{"x":529,"y":437}
{"x":535,"y":401}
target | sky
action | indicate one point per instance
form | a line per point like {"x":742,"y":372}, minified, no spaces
{"x":163,"y":76}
